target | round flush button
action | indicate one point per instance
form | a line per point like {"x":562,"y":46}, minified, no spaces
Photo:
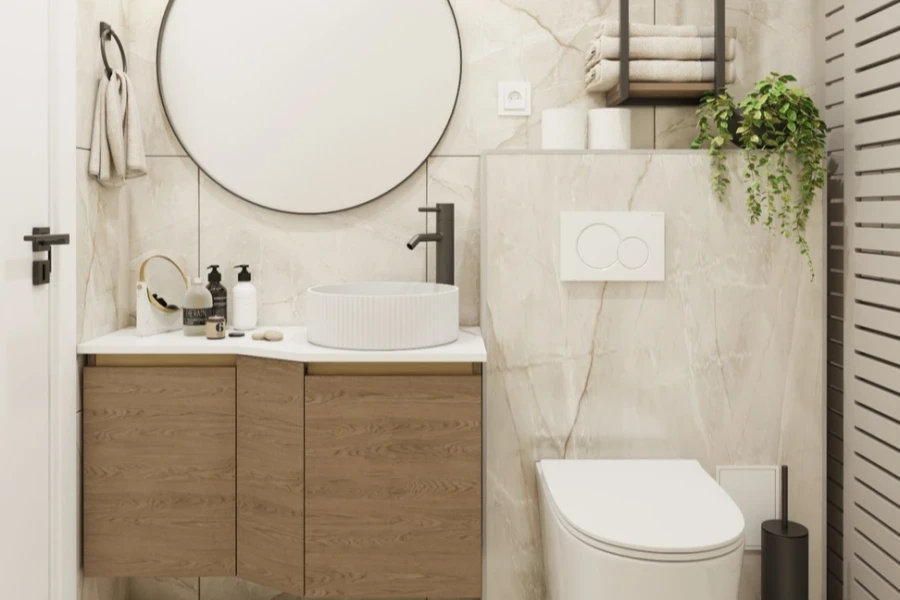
{"x":633,"y":253}
{"x":598,"y":246}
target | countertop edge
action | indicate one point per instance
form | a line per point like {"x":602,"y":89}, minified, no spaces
{"x":469,"y":348}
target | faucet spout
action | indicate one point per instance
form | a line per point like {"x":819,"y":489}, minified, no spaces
{"x":424,"y":237}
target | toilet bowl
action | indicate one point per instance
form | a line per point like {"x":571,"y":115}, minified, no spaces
{"x":638,"y":529}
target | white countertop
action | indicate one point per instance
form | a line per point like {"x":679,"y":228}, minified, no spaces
{"x":468,"y":348}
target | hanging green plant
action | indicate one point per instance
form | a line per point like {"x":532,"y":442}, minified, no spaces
{"x":779,"y":127}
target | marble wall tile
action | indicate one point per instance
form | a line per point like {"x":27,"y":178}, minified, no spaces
{"x":232,"y":588}
{"x":164,"y":219}
{"x":526,"y":40}
{"x":455,"y":181}
{"x":771,"y":36}
{"x":160,"y":588}
{"x":88,"y":63}
{"x":722,"y":362}
{"x":290,"y":253}
{"x":102,"y":221}
{"x":144,"y":19}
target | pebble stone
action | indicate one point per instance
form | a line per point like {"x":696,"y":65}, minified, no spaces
{"x":274,"y":336}
{"x":259,"y":336}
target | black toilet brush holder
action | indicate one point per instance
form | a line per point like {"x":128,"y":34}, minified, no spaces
{"x":785,"y":554}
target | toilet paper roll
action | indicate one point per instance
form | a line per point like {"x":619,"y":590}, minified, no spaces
{"x":609,"y":129}
{"x":563,"y":129}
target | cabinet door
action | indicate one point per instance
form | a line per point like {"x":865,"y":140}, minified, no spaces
{"x":159,"y":471}
{"x":393,"y":486}
{"x":270,"y":473}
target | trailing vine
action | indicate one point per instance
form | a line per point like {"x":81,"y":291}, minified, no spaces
{"x":778,"y":127}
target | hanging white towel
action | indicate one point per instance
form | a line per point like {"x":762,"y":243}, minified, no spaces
{"x":613,"y":28}
{"x":604,"y":76}
{"x":658,"y":48}
{"x":117,"y":144}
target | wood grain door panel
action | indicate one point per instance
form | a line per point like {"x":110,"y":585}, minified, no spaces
{"x":270,"y":473}
{"x":159,"y":471}
{"x":393,"y":486}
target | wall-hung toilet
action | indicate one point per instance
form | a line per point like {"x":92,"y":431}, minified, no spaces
{"x":636,"y":530}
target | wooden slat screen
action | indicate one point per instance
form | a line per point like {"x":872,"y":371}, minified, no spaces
{"x":835,"y":110}
{"x":870,"y":531}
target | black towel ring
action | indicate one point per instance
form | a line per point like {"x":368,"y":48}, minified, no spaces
{"x":106,"y":32}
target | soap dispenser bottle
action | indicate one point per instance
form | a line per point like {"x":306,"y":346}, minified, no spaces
{"x":198,"y":303}
{"x":218,"y":292}
{"x":244,"y":299}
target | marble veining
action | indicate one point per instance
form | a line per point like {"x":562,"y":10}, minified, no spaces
{"x":102,"y":241}
{"x":722,"y":362}
{"x":163,"y":219}
{"x":455,"y":180}
{"x":291,"y":253}
{"x":230,"y":588}
{"x":167,"y":588}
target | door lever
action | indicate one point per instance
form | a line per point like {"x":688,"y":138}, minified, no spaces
{"x":43,"y":241}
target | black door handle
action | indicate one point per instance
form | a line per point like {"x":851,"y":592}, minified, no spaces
{"x":43,"y":241}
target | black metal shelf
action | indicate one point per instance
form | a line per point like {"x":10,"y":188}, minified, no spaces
{"x":628,"y":93}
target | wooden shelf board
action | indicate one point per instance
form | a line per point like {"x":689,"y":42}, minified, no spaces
{"x":665,"y":90}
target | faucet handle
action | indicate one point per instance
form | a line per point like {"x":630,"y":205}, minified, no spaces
{"x":430,"y":209}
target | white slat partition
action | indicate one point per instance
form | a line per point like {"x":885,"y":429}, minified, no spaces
{"x":836,"y":64}
{"x":871,"y":424}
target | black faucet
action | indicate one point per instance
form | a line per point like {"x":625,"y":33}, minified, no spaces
{"x":444,"y":240}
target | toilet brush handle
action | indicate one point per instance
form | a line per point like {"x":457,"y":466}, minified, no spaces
{"x":784,"y":497}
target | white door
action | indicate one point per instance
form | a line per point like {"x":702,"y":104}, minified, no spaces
{"x":29,"y":155}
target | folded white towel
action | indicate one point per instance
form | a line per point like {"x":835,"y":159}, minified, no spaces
{"x":604,"y":76}
{"x":613,"y":28}
{"x":660,"y":48}
{"x":117,"y":144}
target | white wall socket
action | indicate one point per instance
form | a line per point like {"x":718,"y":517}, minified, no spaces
{"x":514,"y":98}
{"x":756,"y":491}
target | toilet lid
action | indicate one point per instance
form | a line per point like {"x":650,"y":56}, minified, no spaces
{"x":661,"y":506}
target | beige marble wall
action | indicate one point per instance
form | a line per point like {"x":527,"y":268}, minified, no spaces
{"x":534,"y":40}
{"x":180,"y":212}
{"x":722,"y":362}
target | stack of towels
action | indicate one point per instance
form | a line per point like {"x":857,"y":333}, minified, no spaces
{"x":658,"y":54}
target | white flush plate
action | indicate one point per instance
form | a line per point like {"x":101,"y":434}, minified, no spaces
{"x":756,"y":491}
{"x":612,"y":246}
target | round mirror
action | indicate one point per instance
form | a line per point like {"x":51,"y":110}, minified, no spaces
{"x":309,"y":106}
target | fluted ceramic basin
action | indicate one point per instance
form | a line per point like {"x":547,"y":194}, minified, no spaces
{"x":382,"y":315}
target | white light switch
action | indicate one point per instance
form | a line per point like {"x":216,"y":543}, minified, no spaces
{"x":612,"y":246}
{"x":755,"y":490}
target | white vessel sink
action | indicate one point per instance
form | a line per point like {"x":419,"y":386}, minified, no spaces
{"x":382,"y":315}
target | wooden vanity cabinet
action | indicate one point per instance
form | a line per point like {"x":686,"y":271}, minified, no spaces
{"x":270,"y":473}
{"x":159,"y":471}
{"x":393,"y":486}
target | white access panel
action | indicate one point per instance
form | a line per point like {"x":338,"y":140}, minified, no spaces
{"x":612,"y":246}
{"x":756,"y":490}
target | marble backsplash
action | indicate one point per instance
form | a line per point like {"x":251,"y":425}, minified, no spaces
{"x":722,"y":362}
{"x":503,"y":40}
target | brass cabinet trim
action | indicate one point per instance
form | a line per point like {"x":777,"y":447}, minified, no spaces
{"x":320,"y":369}
{"x":162,"y":360}
{"x":377,"y":369}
